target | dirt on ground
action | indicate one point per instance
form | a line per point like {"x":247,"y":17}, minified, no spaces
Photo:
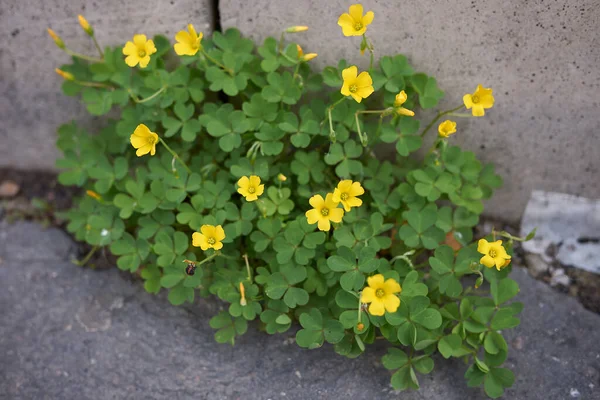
{"x":37,"y":195}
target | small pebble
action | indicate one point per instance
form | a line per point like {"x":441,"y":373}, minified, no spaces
{"x":8,"y":189}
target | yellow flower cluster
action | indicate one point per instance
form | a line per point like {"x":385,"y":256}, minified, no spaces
{"x":354,"y":23}
{"x":494,"y":254}
{"x":250,"y":187}
{"x":326,"y":210}
{"x":209,"y":237}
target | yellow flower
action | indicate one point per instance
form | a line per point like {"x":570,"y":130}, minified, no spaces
{"x":85,"y":25}
{"x":250,"y":187}
{"x":324,"y":211}
{"x":188,"y":43}
{"x":494,"y":254}
{"x":56,"y":38}
{"x":447,"y":128}
{"x":478,"y":101}
{"x":139,"y":51}
{"x":354,"y":23}
{"x":144,"y":140}
{"x":346,"y":192}
{"x":281,"y":178}
{"x":66,"y":75}
{"x":381,"y":295}
{"x":209,"y":237}
{"x":401,"y":99}
{"x":359,"y":87}
{"x":296,"y":29}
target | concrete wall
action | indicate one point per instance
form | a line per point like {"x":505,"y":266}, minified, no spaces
{"x":32,"y":105}
{"x":541,"y":57}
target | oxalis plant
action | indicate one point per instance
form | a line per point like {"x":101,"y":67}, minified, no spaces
{"x":241,"y":173}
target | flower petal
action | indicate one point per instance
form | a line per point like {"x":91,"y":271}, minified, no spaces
{"x":317,"y":201}
{"x":356,"y":189}
{"x":254,"y":180}
{"x":356,"y":12}
{"x":377,"y":308}
{"x":260,"y":189}
{"x":368,"y":18}
{"x":143,"y":150}
{"x":324,"y":224}
{"x":478,"y":110}
{"x":346,"y":21}
{"x":312,"y":216}
{"x":345,"y":185}
{"x":219,"y":233}
{"x":139,"y":41}
{"x":487,"y":261}
{"x":391,"y":286}
{"x":144,"y":61}
{"x":349,"y":74}
{"x":364,"y":80}
{"x":217,"y":246}
{"x":365,"y":92}
{"x":391,"y":302}
{"x":208,"y":230}
{"x":243,"y":182}
{"x":329,"y":202}
{"x":468,"y":101}
{"x":375,"y":281}
{"x":336,"y":215}
{"x":132,"y":60}
{"x":483,"y":246}
{"x":336,"y":194}
{"x":150,"y":47}
{"x":367,"y":295}
{"x":129,"y":49}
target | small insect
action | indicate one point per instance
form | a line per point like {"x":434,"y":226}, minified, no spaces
{"x":190,"y":269}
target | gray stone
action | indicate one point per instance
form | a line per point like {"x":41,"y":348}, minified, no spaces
{"x":536,"y":265}
{"x":32,"y":105}
{"x":540,"y":57}
{"x":559,"y":278}
{"x":68,"y":332}
{"x":567,"y":228}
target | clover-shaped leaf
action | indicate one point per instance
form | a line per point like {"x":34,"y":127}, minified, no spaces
{"x":281,"y":285}
{"x":308,"y":166}
{"x":132,"y":252}
{"x":268,"y":230}
{"x":281,"y":88}
{"x":344,"y":156}
{"x":427,"y":88}
{"x":301,"y":131}
{"x":394,"y":70}
{"x":405,"y":135}
{"x":318,"y":329}
{"x":420,"y":229}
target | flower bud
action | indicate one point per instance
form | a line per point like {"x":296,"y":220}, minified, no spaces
{"x":243,"y":295}
{"x":296,"y":29}
{"x":69,"y":77}
{"x":56,"y":39}
{"x":309,"y":56}
{"x":281,"y":178}
{"x":85,"y":25}
{"x":360,"y":326}
{"x":90,"y":193}
{"x":300,"y":51}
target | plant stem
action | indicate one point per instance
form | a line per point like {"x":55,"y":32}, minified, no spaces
{"x":247,"y":267}
{"x":94,"y":84}
{"x":464,"y":115}
{"x":363,"y":137}
{"x":98,"y":47}
{"x":228,"y":70}
{"x":175,"y":155}
{"x":329,"y":109}
{"x":83,"y":56}
{"x":87,"y":257}
{"x":436,"y":119}
{"x":138,"y":100}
